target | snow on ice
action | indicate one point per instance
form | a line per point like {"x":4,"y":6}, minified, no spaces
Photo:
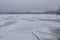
{"x":28,"y":26}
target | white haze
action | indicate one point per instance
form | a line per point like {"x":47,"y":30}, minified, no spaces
{"x":28,"y":5}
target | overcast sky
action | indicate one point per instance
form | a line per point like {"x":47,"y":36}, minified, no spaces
{"x":28,"y":5}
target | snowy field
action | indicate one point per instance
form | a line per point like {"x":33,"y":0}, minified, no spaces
{"x":28,"y":26}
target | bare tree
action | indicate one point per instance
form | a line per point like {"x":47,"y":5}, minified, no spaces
{"x":58,"y":11}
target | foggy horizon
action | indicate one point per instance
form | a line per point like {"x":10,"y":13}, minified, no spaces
{"x":29,"y":19}
{"x":28,"y":5}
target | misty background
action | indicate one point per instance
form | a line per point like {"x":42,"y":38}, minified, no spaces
{"x":29,"y":19}
{"x":28,"y":5}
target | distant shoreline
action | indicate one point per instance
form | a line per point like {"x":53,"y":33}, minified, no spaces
{"x":27,"y":12}
{"x":22,"y":13}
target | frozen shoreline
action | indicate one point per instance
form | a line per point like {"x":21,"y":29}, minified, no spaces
{"x":18,"y":27}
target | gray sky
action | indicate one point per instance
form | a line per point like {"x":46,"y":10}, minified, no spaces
{"x":28,"y":5}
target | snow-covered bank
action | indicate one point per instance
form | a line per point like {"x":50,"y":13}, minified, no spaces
{"x":20,"y":27}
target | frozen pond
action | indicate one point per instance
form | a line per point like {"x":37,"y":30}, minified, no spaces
{"x":28,"y":26}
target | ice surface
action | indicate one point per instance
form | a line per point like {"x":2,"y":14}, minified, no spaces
{"x":28,"y":26}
